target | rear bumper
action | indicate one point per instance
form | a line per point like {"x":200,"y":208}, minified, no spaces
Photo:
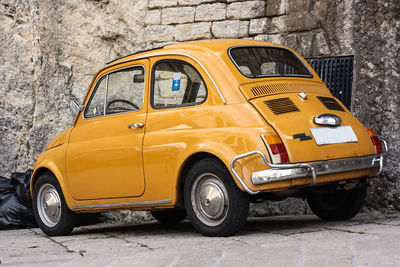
{"x":282,"y":172}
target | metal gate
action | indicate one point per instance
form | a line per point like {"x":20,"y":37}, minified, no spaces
{"x":337,"y":74}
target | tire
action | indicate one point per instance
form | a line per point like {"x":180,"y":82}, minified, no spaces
{"x":338,"y":206}
{"x":55,"y":219}
{"x":226,"y":212}
{"x":169,"y":216}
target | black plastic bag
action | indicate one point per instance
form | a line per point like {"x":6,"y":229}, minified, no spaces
{"x":15,"y":203}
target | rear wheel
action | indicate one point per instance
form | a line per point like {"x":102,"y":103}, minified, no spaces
{"x":169,"y":216}
{"x":337,"y":206}
{"x":213,"y":202}
{"x":51,"y":212}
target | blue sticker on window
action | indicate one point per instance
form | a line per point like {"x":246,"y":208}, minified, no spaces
{"x":176,"y":83}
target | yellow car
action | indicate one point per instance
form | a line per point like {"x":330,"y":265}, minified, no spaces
{"x":201,"y":129}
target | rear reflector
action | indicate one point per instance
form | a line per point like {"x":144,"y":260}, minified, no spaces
{"x":276,"y":148}
{"x":375,"y":141}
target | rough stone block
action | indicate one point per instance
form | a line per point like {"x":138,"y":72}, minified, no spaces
{"x":293,"y":22}
{"x":211,"y":12}
{"x":153,"y":17}
{"x":194,"y":2}
{"x":272,"y":38}
{"x":159,"y":33}
{"x":193,"y":31}
{"x":258,"y":26}
{"x":320,"y":46}
{"x":276,"y":7}
{"x":305,"y":44}
{"x":230,"y":29}
{"x":299,"y":5}
{"x":162,"y":3}
{"x":246,"y":10}
{"x":177,"y":15}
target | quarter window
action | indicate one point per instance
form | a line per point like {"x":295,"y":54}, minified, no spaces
{"x":117,"y":92}
{"x":177,"y":83}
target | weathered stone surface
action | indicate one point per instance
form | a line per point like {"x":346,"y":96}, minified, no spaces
{"x":246,"y":10}
{"x":194,"y":2}
{"x":293,"y":22}
{"x":177,"y":15}
{"x":193,"y":31}
{"x":320,"y":46}
{"x":258,"y":26}
{"x":276,"y":7}
{"x":159,"y":33}
{"x":153,"y":17}
{"x":162,"y":3}
{"x":296,"y":5}
{"x":230,"y":29}
{"x":211,"y":12}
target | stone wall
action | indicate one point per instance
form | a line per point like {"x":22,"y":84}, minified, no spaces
{"x":49,"y":51}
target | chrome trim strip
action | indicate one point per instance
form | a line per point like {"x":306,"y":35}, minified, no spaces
{"x":176,"y":54}
{"x":129,"y":204}
{"x":279,"y":166}
{"x":321,"y":168}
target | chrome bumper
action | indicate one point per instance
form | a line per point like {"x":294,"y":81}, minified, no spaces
{"x":282,"y":172}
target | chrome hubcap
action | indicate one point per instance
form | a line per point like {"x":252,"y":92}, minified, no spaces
{"x":209,"y":199}
{"x":49,"y":205}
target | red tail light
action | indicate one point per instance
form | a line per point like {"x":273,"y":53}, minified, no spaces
{"x":375,"y":141}
{"x":276,"y":148}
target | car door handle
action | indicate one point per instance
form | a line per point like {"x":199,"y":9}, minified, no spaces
{"x":136,"y":125}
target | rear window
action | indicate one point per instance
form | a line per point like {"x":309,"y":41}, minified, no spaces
{"x":260,"y":61}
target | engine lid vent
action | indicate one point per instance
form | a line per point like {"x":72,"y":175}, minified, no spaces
{"x":281,"y":105}
{"x":272,"y":89}
{"x":330,"y":103}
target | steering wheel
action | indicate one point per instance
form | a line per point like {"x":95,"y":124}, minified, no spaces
{"x":122,"y":101}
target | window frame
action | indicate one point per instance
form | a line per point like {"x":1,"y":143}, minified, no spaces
{"x":177,"y":106}
{"x":310,"y":76}
{"x":106,"y":76}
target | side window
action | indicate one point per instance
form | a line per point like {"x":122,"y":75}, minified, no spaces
{"x":176,"y":83}
{"x":122,"y":91}
{"x":125,"y":90}
{"x":96,"y":105}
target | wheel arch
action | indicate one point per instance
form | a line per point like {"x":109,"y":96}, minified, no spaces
{"x":56,"y":173}
{"x":187,"y":165}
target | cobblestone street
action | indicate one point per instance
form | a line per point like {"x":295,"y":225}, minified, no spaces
{"x":367,"y":240}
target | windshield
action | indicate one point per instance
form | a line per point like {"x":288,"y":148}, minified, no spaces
{"x":261,"y":61}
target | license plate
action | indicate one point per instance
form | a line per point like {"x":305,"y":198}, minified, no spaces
{"x":333,"y":135}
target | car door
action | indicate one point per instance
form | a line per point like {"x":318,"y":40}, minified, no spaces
{"x":104,"y":154}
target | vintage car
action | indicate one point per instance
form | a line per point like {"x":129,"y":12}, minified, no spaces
{"x":201,"y":129}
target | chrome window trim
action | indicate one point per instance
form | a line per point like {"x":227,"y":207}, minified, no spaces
{"x":310,"y":76}
{"x":128,"y":204}
{"x":105,"y":98}
{"x":177,"y":54}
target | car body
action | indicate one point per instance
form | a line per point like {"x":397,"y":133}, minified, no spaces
{"x":250,"y":118}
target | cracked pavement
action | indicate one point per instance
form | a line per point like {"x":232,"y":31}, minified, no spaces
{"x":303,"y":240}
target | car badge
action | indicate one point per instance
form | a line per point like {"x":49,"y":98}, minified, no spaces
{"x":303,"y":95}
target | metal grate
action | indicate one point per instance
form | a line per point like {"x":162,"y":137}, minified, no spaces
{"x":281,"y":105}
{"x":337,"y":74}
{"x":330,"y":103}
{"x":271,"y":89}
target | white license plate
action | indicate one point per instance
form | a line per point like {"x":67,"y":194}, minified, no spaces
{"x":333,"y":135}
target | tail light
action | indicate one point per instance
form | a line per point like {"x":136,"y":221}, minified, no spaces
{"x":276,"y":148}
{"x":375,"y":141}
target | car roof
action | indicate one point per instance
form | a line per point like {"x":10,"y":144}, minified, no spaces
{"x":216,"y":46}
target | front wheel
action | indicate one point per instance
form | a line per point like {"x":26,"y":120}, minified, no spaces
{"x":213,"y":202}
{"x":51,"y":212}
{"x":338,"y":206}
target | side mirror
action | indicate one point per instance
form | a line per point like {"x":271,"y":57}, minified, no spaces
{"x":76,"y":107}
